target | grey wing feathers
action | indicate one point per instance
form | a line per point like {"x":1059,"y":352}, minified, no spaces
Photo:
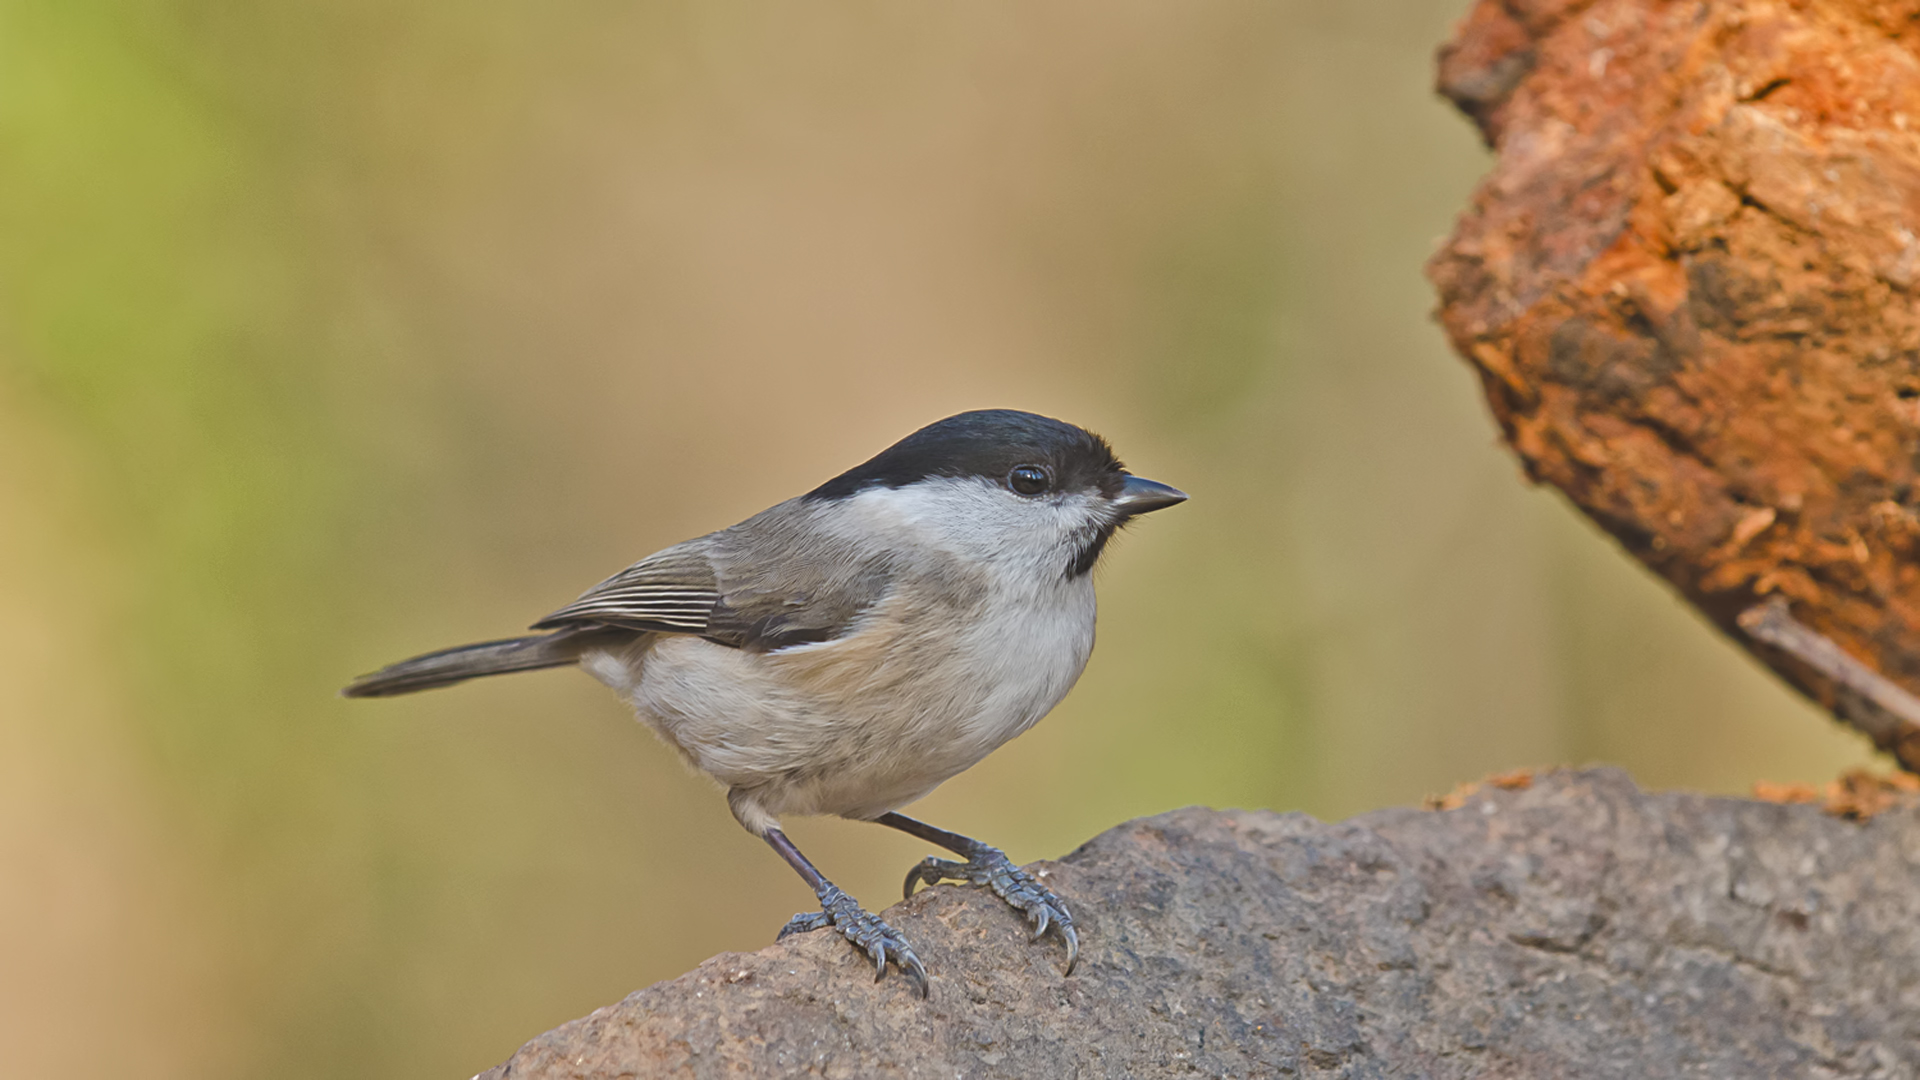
{"x":673,"y":591}
{"x":815,"y":591}
{"x":773,"y":581}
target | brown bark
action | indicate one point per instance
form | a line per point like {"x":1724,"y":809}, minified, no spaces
{"x":1559,"y":926}
{"x":1688,"y":286}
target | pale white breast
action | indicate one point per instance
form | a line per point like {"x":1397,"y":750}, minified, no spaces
{"x":1027,"y":652}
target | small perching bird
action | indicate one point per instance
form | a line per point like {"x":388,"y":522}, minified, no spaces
{"x":847,"y":651}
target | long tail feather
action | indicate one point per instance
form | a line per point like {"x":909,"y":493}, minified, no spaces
{"x":449,"y":666}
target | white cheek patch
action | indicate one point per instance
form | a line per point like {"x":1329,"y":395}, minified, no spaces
{"x":976,"y":519}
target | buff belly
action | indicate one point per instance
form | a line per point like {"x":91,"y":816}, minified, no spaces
{"x":863,"y":724}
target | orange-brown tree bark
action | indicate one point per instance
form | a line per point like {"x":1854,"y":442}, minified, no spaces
{"x":1689,"y":288}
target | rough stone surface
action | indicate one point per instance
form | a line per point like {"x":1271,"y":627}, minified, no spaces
{"x":1688,"y":286}
{"x":1579,"y":927}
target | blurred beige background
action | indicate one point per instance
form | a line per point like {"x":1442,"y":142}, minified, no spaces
{"x":335,"y":331}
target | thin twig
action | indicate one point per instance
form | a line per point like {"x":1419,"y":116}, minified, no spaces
{"x":1882,"y":709}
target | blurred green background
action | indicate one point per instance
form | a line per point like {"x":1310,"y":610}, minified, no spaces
{"x":335,"y":331}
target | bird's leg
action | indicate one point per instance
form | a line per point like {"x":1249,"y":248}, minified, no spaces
{"x":879,"y":941}
{"x":989,"y":866}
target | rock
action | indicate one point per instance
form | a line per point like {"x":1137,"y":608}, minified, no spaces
{"x":1579,"y":927}
{"x":1689,"y":288}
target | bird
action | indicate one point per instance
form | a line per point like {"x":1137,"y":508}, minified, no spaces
{"x":848,"y":650}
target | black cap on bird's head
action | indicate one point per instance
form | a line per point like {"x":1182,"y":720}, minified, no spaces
{"x":1028,"y":454}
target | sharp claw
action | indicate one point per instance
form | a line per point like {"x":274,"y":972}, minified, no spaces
{"x":866,"y":933}
{"x":913,"y":878}
{"x":933,"y":871}
{"x":990,"y":867}
{"x":918,"y":973}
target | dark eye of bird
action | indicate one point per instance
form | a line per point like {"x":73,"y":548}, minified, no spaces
{"x":1028,"y":479}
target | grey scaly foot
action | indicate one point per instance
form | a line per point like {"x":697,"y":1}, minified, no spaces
{"x":989,"y":866}
{"x":879,"y":941}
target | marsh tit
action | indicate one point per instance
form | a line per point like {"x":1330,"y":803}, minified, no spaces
{"x":848,"y":650}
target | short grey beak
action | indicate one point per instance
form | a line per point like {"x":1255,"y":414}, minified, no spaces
{"x":1142,"y":496}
